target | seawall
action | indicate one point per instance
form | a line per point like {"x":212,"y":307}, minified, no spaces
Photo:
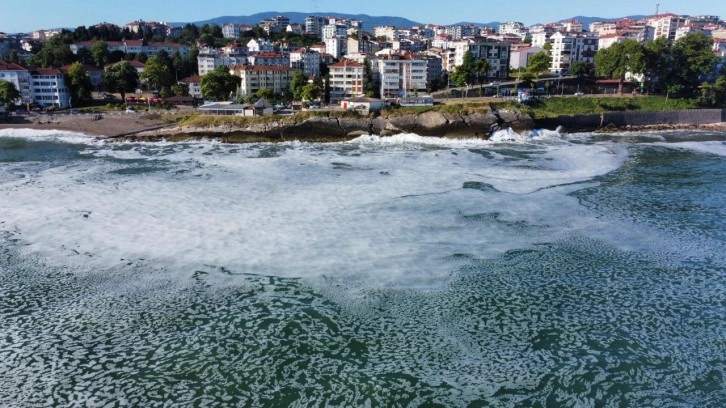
{"x":633,"y":120}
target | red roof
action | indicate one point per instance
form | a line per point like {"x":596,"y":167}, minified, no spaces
{"x":246,"y":67}
{"x":192,"y":80}
{"x":9,"y":66}
{"x":88,"y":68}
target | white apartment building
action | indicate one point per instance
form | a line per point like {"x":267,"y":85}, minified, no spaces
{"x":389,"y":32}
{"x":513,"y":27}
{"x":195,"y":90}
{"x":401,"y":75}
{"x":230,"y":30}
{"x":314,"y":25}
{"x":336,"y":47}
{"x":306,"y":61}
{"x":570,"y":47}
{"x":269,"y":58}
{"x":44,"y":86}
{"x":347,"y":79}
{"x":211,"y":58}
{"x":665,"y":25}
{"x":495,"y":52}
{"x":18,"y":76}
{"x":253,"y":78}
{"x":334,"y":31}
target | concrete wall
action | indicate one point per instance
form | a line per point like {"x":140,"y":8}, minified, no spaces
{"x":625,"y":119}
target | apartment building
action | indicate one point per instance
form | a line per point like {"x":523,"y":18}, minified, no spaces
{"x":44,"y":86}
{"x":665,"y":25}
{"x":568,"y":47}
{"x":136,"y":46}
{"x":306,"y":61}
{"x":347,"y":79}
{"x":231,"y":30}
{"x":253,"y":78}
{"x":493,"y":51}
{"x":211,"y":58}
{"x":269,"y":58}
{"x":519,"y":58}
{"x":18,"y":76}
{"x":401,"y":75}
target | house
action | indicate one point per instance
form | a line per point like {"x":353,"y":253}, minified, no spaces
{"x":210,"y":58}
{"x":262,"y":107}
{"x":347,"y":79}
{"x":193,"y":82}
{"x":259,"y":108}
{"x":136,"y":46}
{"x":255,"y":46}
{"x":253,"y":78}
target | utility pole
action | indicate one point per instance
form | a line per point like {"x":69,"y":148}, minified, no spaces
{"x":657,"y":8}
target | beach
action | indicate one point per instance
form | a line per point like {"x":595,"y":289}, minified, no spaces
{"x":97,"y":124}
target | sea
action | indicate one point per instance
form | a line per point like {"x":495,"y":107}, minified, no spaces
{"x":538,"y":270}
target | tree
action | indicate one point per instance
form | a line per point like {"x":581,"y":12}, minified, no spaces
{"x":691,"y":56}
{"x":464,"y":73}
{"x":265,"y":93}
{"x":54,"y":52}
{"x":8,"y":94}
{"x":370,"y":87}
{"x":79,"y":82}
{"x":217,"y":85}
{"x":623,"y":57}
{"x":310,"y":92}
{"x":539,"y":63}
{"x":100,"y":53}
{"x":180,"y":89}
{"x":481,"y":69}
{"x":658,"y":56}
{"x":296,"y":85}
{"x":121,"y":78}
{"x":156,"y":74}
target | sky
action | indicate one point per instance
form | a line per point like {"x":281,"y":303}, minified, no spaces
{"x":16,"y":16}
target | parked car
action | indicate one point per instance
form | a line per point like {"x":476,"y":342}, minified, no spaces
{"x":578,"y":93}
{"x":494,"y":83}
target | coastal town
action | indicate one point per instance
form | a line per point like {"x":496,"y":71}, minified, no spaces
{"x":249,"y":70}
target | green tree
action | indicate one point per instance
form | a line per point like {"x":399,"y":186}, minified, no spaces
{"x":9,"y":94}
{"x":539,"y":63}
{"x":122,"y":78}
{"x":79,"y":82}
{"x":54,"y":52}
{"x":658,"y":57}
{"x":464,"y":73}
{"x":100,"y":54}
{"x":265,"y":93}
{"x":141,"y":57}
{"x":180,"y":89}
{"x":217,"y":85}
{"x":310,"y":92}
{"x":156,"y":74}
{"x":481,"y":70}
{"x":370,"y":87}
{"x":623,"y":57}
{"x":691,"y":57}
{"x":296,"y":85}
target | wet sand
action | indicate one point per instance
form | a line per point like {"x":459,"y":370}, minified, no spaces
{"x":101,"y":124}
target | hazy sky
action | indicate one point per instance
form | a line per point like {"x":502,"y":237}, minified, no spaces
{"x":19,"y":16}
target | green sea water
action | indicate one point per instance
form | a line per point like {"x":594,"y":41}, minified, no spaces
{"x":398,"y":291}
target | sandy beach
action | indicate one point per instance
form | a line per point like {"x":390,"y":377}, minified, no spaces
{"x":101,"y":124}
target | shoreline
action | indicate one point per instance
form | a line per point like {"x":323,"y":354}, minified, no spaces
{"x":149,"y":127}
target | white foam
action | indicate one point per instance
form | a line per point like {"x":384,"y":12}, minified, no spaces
{"x":48,"y":135}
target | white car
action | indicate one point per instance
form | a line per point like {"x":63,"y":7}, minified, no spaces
{"x":494,"y":83}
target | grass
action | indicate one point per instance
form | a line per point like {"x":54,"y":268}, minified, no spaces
{"x":570,"y":106}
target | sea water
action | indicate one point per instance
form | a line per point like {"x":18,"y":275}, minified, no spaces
{"x":576,"y":270}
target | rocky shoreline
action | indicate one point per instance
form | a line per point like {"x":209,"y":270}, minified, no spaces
{"x":331,"y":128}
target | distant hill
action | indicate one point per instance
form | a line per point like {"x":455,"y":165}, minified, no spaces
{"x":368,"y":21}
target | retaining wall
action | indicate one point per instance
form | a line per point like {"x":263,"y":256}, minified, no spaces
{"x":627,"y":119}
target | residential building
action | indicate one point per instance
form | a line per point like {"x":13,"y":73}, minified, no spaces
{"x":388,"y":32}
{"x":295,"y":28}
{"x":434,"y":68}
{"x":18,"y":76}
{"x":605,"y":41}
{"x":402,"y":75}
{"x":334,"y":31}
{"x":513,"y":27}
{"x":314,"y":25}
{"x":519,"y":58}
{"x":255,"y":46}
{"x":136,"y":46}
{"x":572,"y":26}
{"x":336,"y":47}
{"x":230,"y":30}
{"x":211,"y":58}
{"x":193,"y":82}
{"x":306,"y":61}
{"x":347,"y":79}
{"x":94,"y":73}
{"x":493,"y":51}
{"x":253,"y":78}
{"x":570,"y":47}
{"x":269,"y":58}
{"x":665,"y":25}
